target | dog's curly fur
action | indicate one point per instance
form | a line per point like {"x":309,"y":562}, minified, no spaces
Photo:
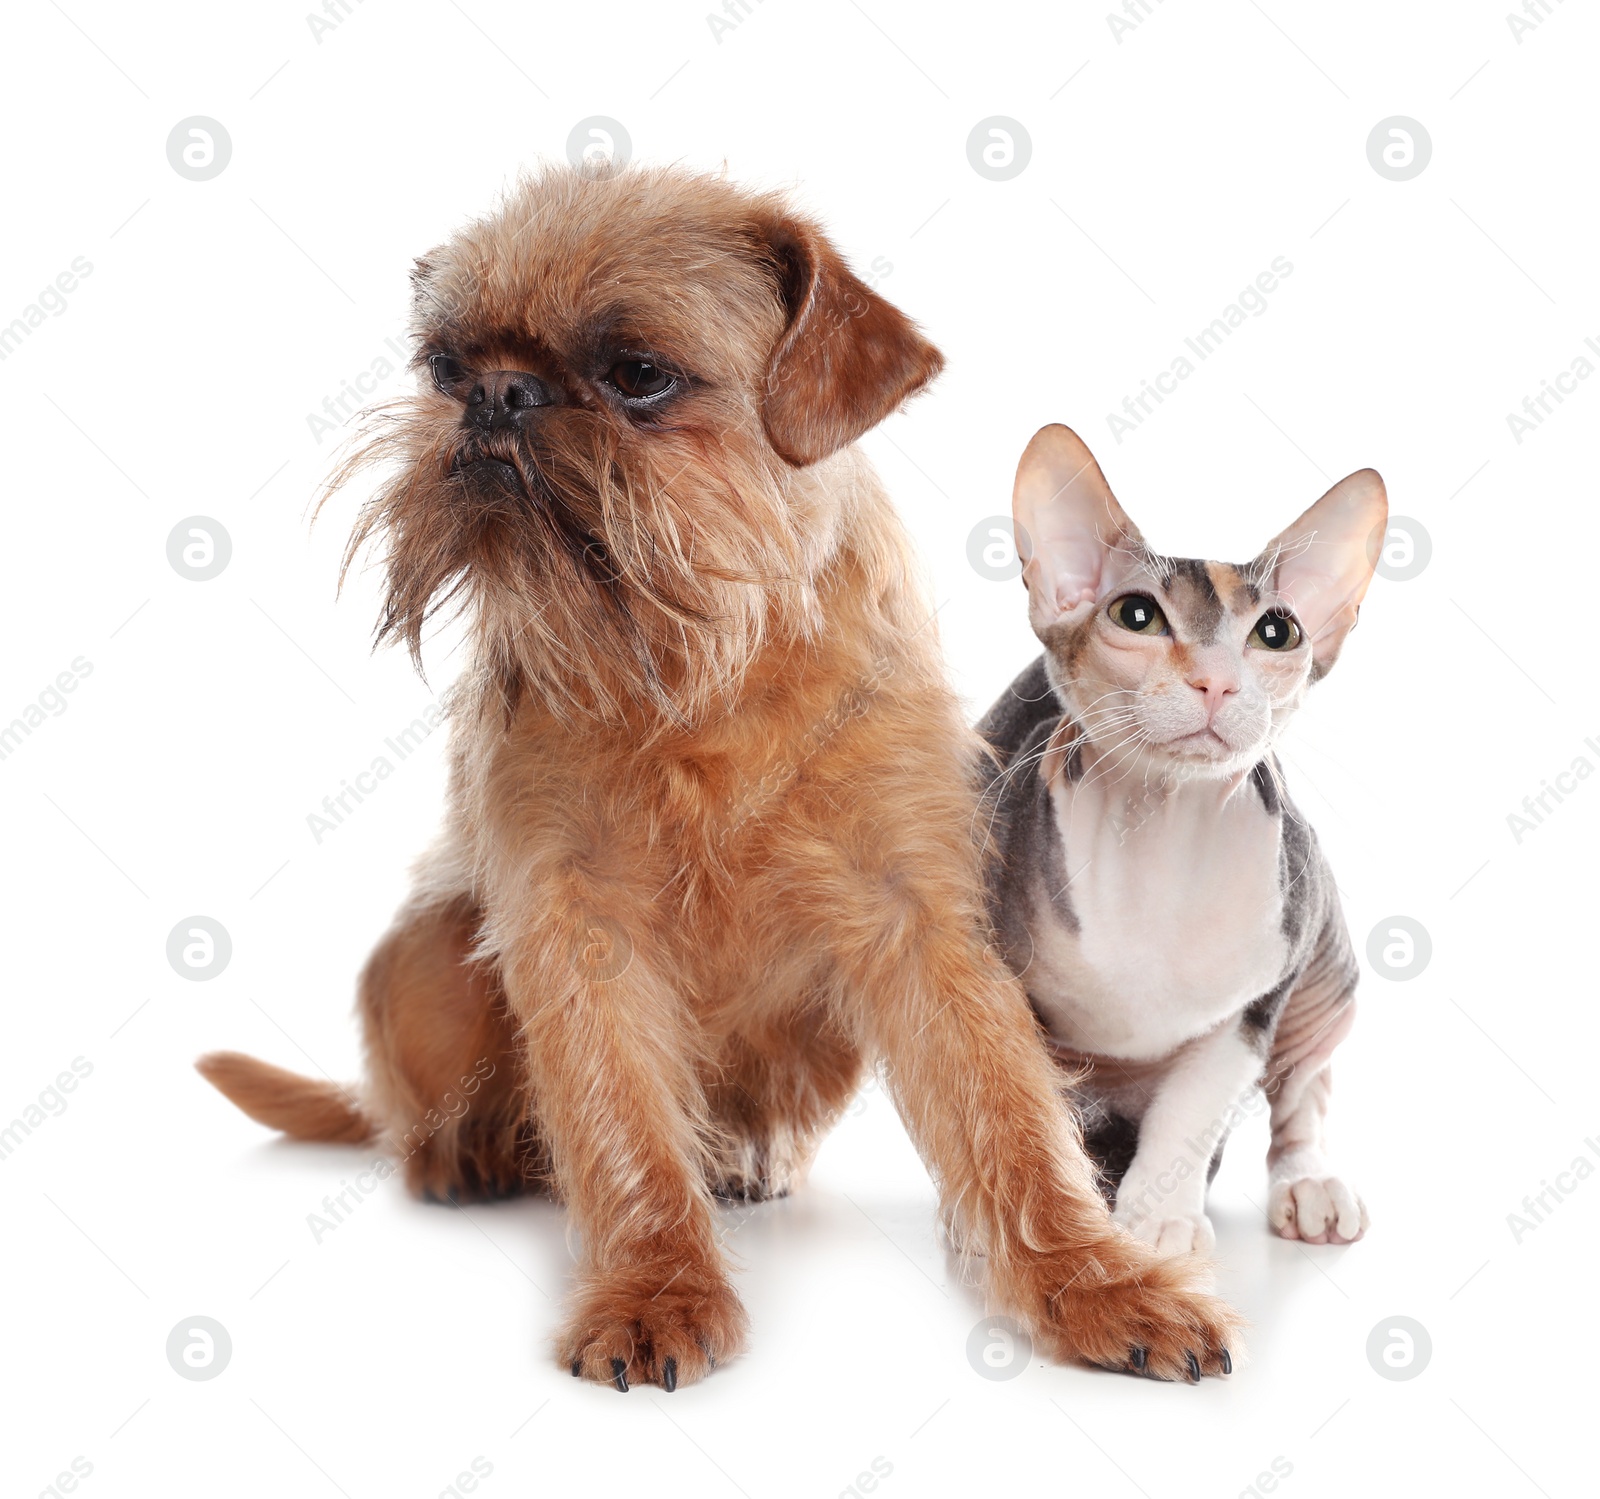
{"x":709,"y":851}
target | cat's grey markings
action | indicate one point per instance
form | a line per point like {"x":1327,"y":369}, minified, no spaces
{"x":1163,"y":900}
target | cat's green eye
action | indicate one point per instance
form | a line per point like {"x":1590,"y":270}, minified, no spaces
{"x":1276,"y":630}
{"x":1140,"y":613}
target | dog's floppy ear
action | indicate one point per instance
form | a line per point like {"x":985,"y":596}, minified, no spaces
{"x":846,"y":357}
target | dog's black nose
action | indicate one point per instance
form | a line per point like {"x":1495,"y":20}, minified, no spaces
{"x":504,"y":399}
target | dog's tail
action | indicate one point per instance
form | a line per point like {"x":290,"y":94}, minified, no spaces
{"x":302,"y":1107}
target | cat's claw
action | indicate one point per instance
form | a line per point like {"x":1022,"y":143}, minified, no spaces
{"x":1316,"y":1210}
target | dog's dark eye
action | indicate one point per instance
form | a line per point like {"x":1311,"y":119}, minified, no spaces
{"x":638,"y":379}
{"x":1140,"y":613}
{"x":1276,"y":630}
{"x":448,"y":373}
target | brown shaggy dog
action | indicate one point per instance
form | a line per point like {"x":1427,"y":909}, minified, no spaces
{"x":709,"y":850}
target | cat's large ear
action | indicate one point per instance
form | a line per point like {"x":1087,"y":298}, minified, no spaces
{"x":1322,"y":564}
{"x":1068,"y":525}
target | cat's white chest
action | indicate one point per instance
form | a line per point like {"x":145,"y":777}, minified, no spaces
{"x":1179,"y":916}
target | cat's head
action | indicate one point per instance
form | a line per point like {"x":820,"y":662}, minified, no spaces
{"x":1171,"y":663}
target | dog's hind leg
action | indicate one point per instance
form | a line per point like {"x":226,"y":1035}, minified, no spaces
{"x":447,"y":1071}
{"x":772,"y":1096}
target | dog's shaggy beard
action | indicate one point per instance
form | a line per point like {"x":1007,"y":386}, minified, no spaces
{"x":636,"y":593}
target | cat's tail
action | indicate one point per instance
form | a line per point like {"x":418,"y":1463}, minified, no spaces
{"x":302,"y":1107}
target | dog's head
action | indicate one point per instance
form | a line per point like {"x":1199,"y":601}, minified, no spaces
{"x":623,"y":377}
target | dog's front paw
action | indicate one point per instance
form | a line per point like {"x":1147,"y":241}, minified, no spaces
{"x":1317,"y":1209}
{"x":667,"y":1326}
{"x":1118,"y":1306}
{"x":1178,"y":1233}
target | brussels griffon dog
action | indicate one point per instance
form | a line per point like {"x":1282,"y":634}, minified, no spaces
{"x":709,"y":850}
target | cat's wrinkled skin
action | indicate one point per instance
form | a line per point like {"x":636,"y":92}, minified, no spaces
{"x":1164,"y":902}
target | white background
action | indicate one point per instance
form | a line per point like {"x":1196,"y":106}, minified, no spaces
{"x":1167,"y":170}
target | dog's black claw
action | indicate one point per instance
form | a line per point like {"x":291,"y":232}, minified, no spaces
{"x":1227,"y":1362}
{"x":619,"y":1374}
{"x":1194,"y":1366}
{"x":669,"y":1375}
{"x":1138,"y":1358}
{"x":577,"y":1368}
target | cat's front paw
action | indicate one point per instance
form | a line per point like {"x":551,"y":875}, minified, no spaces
{"x":1316,"y":1209}
{"x":1171,"y":1233}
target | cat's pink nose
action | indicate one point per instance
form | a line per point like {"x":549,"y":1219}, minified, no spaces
{"x":1215,"y":686}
